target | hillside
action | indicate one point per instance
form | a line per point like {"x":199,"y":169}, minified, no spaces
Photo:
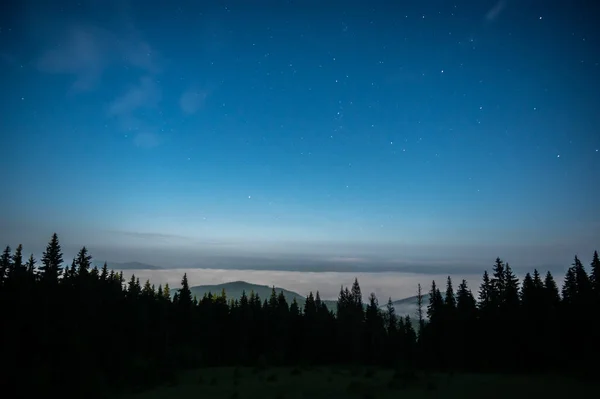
{"x":117,"y":267}
{"x":234,"y":289}
{"x":408,"y":306}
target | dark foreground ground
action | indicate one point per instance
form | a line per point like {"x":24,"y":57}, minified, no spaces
{"x":296,"y":383}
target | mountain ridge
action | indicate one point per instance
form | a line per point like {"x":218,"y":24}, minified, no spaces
{"x":234,"y":289}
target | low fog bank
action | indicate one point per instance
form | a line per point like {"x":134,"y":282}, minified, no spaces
{"x":384,"y":285}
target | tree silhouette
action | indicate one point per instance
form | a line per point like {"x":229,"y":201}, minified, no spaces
{"x":81,"y":315}
{"x":52,"y":260}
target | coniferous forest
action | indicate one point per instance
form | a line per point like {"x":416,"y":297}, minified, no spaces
{"x":79,"y":330}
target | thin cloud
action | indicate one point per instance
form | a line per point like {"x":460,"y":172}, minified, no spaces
{"x":87,"y":51}
{"x":495,"y":11}
{"x":150,"y":235}
{"x":192,"y":101}
{"x":146,"y":140}
{"x":145,"y":94}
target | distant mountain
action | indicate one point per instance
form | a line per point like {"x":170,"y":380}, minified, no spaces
{"x":408,"y":306}
{"x":233,"y":290}
{"x":116,"y":266}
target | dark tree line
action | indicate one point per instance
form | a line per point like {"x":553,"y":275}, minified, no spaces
{"x":78,"y":329}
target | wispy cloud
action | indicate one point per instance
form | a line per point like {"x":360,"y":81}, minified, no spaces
{"x":495,"y":11}
{"x":149,"y":235}
{"x":145,"y":94}
{"x":87,"y":51}
{"x":192,"y":100}
{"x":146,"y":140}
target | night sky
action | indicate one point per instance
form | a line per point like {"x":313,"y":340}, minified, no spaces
{"x":291,"y":134}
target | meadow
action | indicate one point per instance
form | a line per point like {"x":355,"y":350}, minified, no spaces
{"x":359,"y":383}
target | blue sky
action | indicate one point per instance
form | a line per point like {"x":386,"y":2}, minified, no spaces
{"x":357,"y":134}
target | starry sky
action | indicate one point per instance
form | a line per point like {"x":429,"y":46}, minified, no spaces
{"x":305,"y":135}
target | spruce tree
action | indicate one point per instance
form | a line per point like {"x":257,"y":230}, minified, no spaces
{"x":17,"y":269}
{"x":185,"y":294}
{"x":294,"y":309}
{"x":569,"y":288}
{"x":498,"y":283}
{"x":31,"y":267}
{"x":83,"y":262}
{"x":104,"y":274}
{"x":391,"y":318}
{"x":551,"y":295}
{"x":310,"y":309}
{"x":466,"y":305}
{"x":582,"y":280}
{"x":595,"y":275}
{"x":357,"y":295}
{"x":133,"y":288}
{"x":510,"y":297}
{"x":420,"y":308}
{"x":52,"y":260}
{"x":465,"y":328}
{"x":449,"y":299}
{"x":485,"y":293}
{"x":436,"y":304}
{"x":5,"y":263}
{"x":527,"y":292}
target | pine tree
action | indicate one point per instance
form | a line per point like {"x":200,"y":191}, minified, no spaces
{"x":569,"y":288}
{"x":310,"y":309}
{"x":466,"y":325}
{"x":294,"y":309}
{"x":357,"y":295}
{"x":374,"y":331}
{"x":498,"y":283}
{"x":52,"y":260}
{"x":83,"y":262}
{"x":5,"y":263}
{"x":148,"y":291}
{"x":466,"y":305}
{"x":420,"y":308}
{"x":510,"y":298}
{"x":436,"y":304}
{"x":17,"y":269}
{"x":31,"y":267}
{"x":185,"y":294}
{"x":104,"y":274}
{"x":528,"y":292}
{"x":391,"y":318}
{"x":582,"y":280}
{"x":551,"y":295}
{"x":595,"y":275}
{"x":449,"y":299}
{"x":318,"y":301}
{"x":133,"y":288}
{"x":485,"y":293}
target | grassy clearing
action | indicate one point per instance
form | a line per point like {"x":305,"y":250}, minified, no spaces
{"x":360,"y":383}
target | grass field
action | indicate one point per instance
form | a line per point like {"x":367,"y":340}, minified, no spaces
{"x":294,"y":383}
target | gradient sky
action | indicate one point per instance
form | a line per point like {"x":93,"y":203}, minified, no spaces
{"x":289,"y":134}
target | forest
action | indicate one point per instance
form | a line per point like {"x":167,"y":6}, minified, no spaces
{"x":81,"y":331}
